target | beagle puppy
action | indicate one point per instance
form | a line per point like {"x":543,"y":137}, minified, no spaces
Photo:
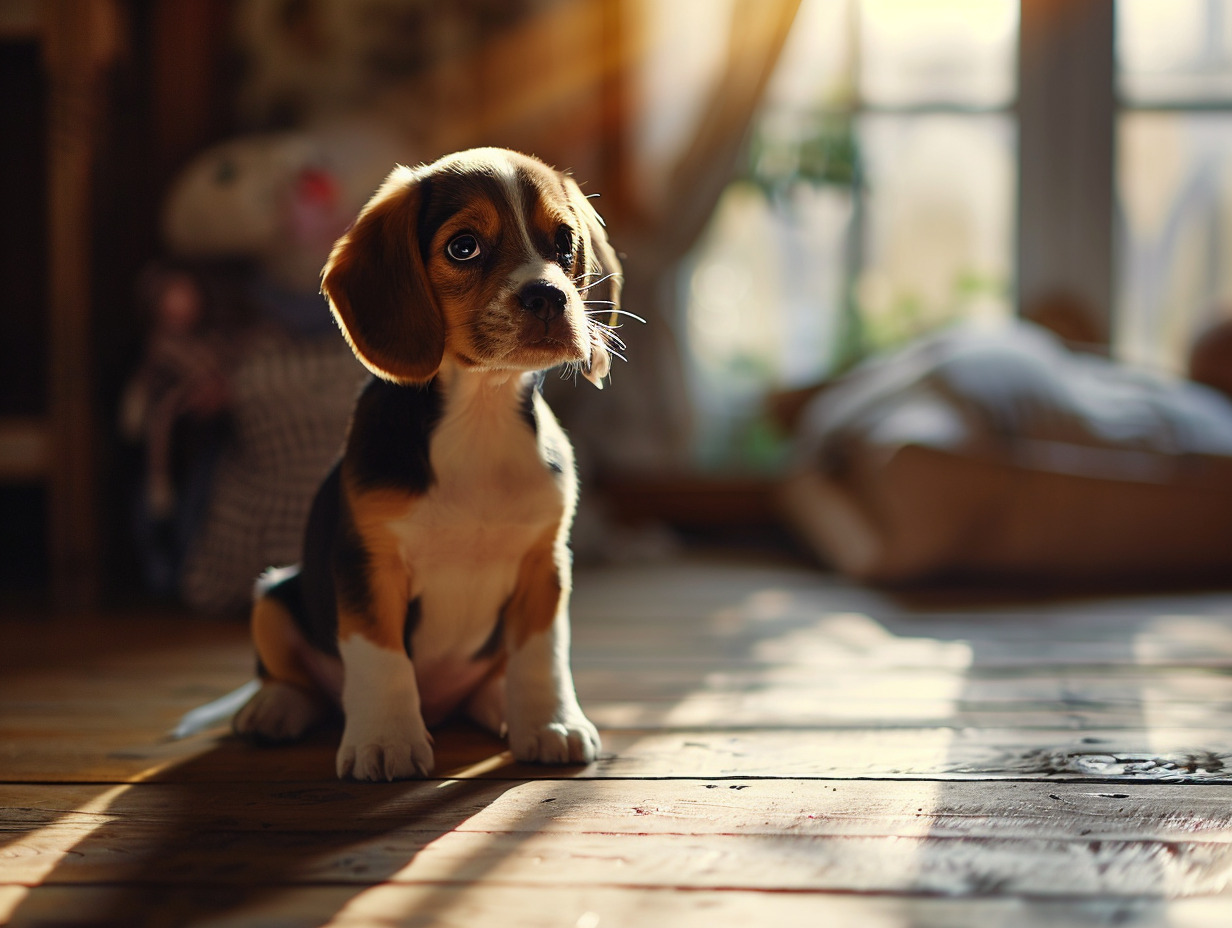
{"x":435,"y":574}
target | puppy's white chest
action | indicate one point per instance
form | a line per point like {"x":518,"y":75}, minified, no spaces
{"x":463,"y":542}
{"x":492,"y":495}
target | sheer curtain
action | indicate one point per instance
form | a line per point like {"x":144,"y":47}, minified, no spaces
{"x":692,"y":74}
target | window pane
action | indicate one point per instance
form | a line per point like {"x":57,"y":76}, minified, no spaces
{"x":1175,"y":187}
{"x":1174,"y":51}
{"x":854,"y":230}
{"x":763,"y":299}
{"x":816,"y":69}
{"x":940,"y":212}
{"x":928,"y":242}
{"x":948,"y":51}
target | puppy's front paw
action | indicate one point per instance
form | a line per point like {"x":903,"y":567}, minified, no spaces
{"x":569,"y":740}
{"x":278,"y":712}
{"x":391,"y":751}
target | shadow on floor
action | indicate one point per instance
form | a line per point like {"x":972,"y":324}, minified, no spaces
{"x":237,"y":826}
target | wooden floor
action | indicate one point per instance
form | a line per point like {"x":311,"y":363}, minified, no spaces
{"x":781,"y":748}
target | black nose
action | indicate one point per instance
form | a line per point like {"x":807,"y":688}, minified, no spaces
{"x":543,"y":300}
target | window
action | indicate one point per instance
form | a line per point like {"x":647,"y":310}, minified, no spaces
{"x":909,"y":169}
{"x":1174,"y":179}
{"x":878,"y":203}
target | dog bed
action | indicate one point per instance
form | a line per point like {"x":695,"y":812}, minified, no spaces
{"x":1000,"y":452}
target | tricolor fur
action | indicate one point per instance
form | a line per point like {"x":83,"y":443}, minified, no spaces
{"x":435,"y":575}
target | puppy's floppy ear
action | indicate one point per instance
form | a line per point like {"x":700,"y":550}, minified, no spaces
{"x":378,"y":287}
{"x":601,"y":279}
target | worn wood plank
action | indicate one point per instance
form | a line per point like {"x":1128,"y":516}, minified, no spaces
{"x":821,"y":708}
{"x":571,"y":906}
{"x":784,"y":862}
{"x":876,"y":700}
{"x":851,"y":808}
{"x":711,"y":589}
{"x":770,"y":708}
{"x":119,"y":756}
{"x":1111,"y":683}
{"x":939,"y":753}
{"x":611,"y":645}
{"x":97,"y":693}
{"x":953,"y":839}
{"x":102,"y":724}
{"x":830,"y":753}
{"x":1034,"y":683}
{"x":797,"y":616}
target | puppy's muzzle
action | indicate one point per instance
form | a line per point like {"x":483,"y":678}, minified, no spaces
{"x":543,"y":300}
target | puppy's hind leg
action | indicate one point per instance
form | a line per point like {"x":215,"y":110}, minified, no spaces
{"x":278,"y":712}
{"x":290,"y":701}
{"x":487,"y":706}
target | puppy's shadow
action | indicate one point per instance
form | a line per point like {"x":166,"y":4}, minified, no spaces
{"x":238,"y":825}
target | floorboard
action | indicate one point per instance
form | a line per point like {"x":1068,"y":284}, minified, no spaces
{"x":780,"y":747}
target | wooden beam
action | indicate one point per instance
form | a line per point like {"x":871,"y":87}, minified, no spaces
{"x":1066,"y":124}
{"x":79,"y":40}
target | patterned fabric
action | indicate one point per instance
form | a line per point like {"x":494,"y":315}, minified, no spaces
{"x":291,"y":406}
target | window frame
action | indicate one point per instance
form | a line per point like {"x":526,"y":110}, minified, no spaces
{"x":1067,"y":111}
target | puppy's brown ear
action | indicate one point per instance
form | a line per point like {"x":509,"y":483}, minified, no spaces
{"x":600,"y":282}
{"x":378,"y":287}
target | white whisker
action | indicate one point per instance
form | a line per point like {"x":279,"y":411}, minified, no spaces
{"x":611,"y":338}
{"x":595,"y":283}
{"x":615,"y":312}
{"x":606,"y":326}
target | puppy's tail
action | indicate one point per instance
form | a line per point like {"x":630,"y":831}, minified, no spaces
{"x":276,"y":581}
{"x":214,"y":713}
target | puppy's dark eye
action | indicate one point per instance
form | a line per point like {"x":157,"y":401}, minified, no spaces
{"x":564,"y":246}
{"x":463,"y":247}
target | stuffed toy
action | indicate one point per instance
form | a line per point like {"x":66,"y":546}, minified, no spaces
{"x":279,"y":201}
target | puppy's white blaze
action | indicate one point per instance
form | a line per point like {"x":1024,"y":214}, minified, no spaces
{"x":496,"y":161}
{"x":505,"y":172}
{"x":536,"y":269}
